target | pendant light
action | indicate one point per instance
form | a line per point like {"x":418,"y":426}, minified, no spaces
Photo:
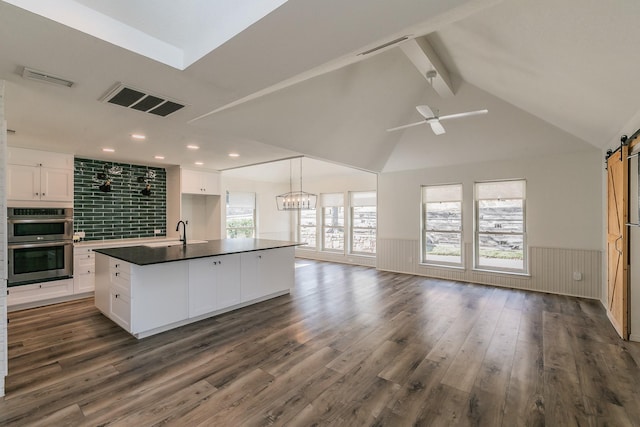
{"x":296,"y":200}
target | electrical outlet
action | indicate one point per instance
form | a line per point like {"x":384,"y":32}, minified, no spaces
{"x":577,"y":276}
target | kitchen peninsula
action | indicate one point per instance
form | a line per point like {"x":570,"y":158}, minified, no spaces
{"x":151,"y":289}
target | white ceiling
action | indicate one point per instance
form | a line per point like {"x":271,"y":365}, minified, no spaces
{"x":555,"y":76}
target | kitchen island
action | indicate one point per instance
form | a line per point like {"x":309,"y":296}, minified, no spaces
{"x":151,"y":289}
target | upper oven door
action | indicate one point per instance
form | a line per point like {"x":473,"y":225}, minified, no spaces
{"x":39,"y":230}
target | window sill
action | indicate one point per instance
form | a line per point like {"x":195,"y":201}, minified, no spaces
{"x":362,"y":255}
{"x":451,"y":267}
{"x":503,"y":272}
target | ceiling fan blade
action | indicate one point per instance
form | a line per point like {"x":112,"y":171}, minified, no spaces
{"x":467,"y":114}
{"x":436,"y":127}
{"x":426,"y":112}
{"x":421,"y":122}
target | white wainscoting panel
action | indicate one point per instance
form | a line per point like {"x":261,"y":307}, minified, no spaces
{"x":366,"y":261}
{"x":550,"y":269}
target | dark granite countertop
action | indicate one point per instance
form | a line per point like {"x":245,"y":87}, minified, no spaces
{"x":144,"y":255}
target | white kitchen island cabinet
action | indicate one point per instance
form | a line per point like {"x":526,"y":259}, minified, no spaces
{"x":147,"y":290}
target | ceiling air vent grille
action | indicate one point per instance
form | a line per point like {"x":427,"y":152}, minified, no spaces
{"x":137,"y":99}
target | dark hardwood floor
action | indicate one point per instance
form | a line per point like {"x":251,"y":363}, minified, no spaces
{"x":352,"y":346}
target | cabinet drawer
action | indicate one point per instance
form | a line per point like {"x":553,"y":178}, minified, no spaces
{"x":84,"y":283}
{"x":85,"y":263}
{"x":82,"y":252}
{"x":122,"y":283}
{"x":120,"y":308}
{"x":118,"y":265}
{"x":39,"y":291}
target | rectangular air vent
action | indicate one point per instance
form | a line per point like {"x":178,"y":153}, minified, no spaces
{"x":140,"y":100}
{"x":42,"y":76}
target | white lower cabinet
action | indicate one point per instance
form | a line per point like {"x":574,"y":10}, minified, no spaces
{"x":84,"y":270}
{"x":38,"y":291}
{"x":266,"y":272}
{"x":213,"y":284}
{"x":141,"y":298}
{"x":149,"y":299}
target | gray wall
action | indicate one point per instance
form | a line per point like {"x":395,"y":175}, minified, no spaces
{"x":123,"y":212}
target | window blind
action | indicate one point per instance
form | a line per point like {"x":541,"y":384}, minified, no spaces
{"x":500,"y":190}
{"x":331,"y":199}
{"x":363,"y":198}
{"x":442,"y":193}
{"x":238,"y":199}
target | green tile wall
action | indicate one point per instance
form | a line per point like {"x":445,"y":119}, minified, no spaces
{"x":124,"y":212}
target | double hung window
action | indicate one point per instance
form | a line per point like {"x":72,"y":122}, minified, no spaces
{"x":241,"y":214}
{"x":307,"y":228}
{"x":500,"y":229}
{"x":363,"y":222}
{"x":442,"y":224}
{"x":332,"y":222}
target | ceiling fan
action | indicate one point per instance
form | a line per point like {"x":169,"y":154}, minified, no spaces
{"x":434,"y":120}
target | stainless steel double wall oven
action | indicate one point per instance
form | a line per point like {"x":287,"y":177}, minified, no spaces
{"x":40,"y":244}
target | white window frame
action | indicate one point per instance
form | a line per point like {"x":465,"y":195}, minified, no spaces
{"x":362,"y":199}
{"x":331,"y":201}
{"x":438,"y":197}
{"x":241,"y":199}
{"x":507,"y":196}
{"x":300,"y":226}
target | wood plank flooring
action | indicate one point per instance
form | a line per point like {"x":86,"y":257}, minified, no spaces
{"x":352,"y":346}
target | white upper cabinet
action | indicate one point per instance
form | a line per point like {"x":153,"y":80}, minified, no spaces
{"x":39,"y":175}
{"x":199,"y":182}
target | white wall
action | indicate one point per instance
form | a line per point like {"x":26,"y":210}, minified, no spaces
{"x":634,"y":239}
{"x":564,"y":220}
{"x":3,"y":242}
{"x":271,"y":223}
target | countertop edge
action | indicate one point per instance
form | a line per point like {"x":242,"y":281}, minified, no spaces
{"x":159,"y":255}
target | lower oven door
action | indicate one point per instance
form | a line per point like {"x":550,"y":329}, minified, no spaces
{"x":37,"y":262}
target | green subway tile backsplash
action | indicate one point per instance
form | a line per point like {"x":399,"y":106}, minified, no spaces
{"x":123,"y":212}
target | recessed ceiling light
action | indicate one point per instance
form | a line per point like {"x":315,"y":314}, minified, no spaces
{"x":192,"y":147}
{"x":199,"y":163}
{"x":158,"y":157}
{"x":108,"y":150}
{"x":138,"y":136}
{"x":234,"y":155}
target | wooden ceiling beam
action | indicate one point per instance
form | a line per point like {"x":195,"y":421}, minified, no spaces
{"x":422,"y":55}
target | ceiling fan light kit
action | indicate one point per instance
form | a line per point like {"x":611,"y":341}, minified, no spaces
{"x":434,"y":120}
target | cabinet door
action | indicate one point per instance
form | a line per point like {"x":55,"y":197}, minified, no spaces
{"x":228,"y":281}
{"x":23,"y":182}
{"x":191,"y":182}
{"x":120,"y":307}
{"x":84,"y":272}
{"x":250,"y":284}
{"x":56,"y":184}
{"x":277,"y":270}
{"x":210,"y":183}
{"x":203,"y":277}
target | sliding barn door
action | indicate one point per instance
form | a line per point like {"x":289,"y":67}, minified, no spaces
{"x":617,"y":244}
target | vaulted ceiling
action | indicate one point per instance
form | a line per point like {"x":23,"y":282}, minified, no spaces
{"x":282,"y":78}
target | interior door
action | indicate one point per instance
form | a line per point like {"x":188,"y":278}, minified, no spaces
{"x":617,"y":241}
